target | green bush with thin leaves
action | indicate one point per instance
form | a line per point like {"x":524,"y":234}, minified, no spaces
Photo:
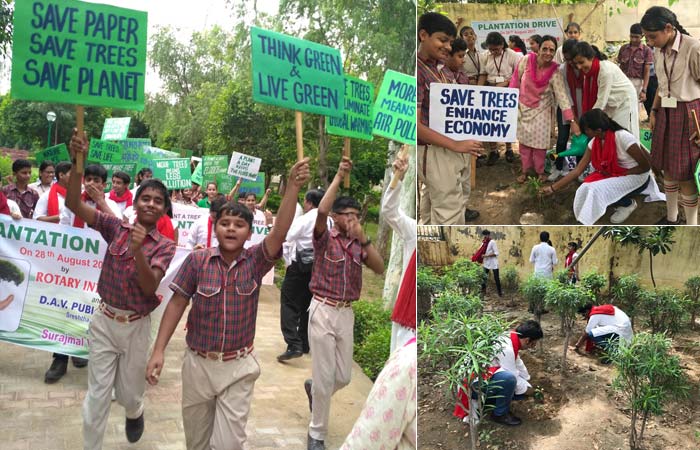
{"x":428,"y":283}
{"x":534,"y":290}
{"x":369,"y":317}
{"x":451,"y":300}
{"x":466,"y":275}
{"x":561,"y":276}
{"x":594,"y":282}
{"x":649,"y":377}
{"x":692,"y":292}
{"x":626,"y":294}
{"x":372,"y":354}
{"x":566,"y":299}
{"x":664,"y":310}
{"x":510,"y":278}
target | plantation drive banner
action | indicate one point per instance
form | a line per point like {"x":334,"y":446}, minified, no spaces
{"x":519,"y":27}
{"x":115,"y":128}
{"x":357,"y":116}
{"x":482,"y":113}
{"x":55,"y":154}
{"x":296,"y":74}
{"x":394,"y":112}
{"x":67,"y":51}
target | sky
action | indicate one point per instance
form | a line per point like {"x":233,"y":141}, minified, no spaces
{"x":186,"y":16}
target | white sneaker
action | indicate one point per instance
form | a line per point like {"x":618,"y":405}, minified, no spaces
{"x":554,"y":176}
{"x":623,"y":212}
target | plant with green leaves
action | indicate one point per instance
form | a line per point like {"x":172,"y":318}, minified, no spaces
{"x":594,"y":282}
{"x":566,"y":299}
{"x":626,"y":294}
{"x":534,"y":290}
{"x":692,"y":292}
{"x":428,"y":283}
{"x":561,"y":276}
{"x":451,"y":300}
{"x":664,"y":309}
{"x":10,"y":272}
{"x":654,"y":240}
{"x":511,"y":282}
{"x":533,"y":187}
{"x":649,"y":377}
{"x":467,"y":275}
{"x":460,"y":346}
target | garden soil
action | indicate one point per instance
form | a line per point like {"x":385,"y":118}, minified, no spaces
{"x":580,"y":410}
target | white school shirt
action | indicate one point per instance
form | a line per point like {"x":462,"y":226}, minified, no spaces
{"x":602,"y":324}
{"x":507,"y":361}
{"x":401,"y":223}
{"x":300,"y":233}
{"x":198,"y":233}
{"x":545,"y":258}
{"x":14,"y":207}
{"x":42,"y":206}
{"x":67,"y":216}
{"x":491,"y":262}
{"x":40,"y":188}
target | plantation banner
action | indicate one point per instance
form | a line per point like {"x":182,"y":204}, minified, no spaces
{"x":116,"y":128}
{"x":483,"y":113}
{"x":357,"y":116}
{"x":394,"y":112}
{"x":519,"y":27}
{"x":296,"y":74}
{"x":48,"y":284}
{"x":104,"y":152}
{"x":244,"y":166}
{"x":175,"y":173}
{"x":67,"y":51}
{"x":55,"y":154}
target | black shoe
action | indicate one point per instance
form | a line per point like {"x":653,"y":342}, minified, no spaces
{"x":507,"y":419}
{"x":493,"y":157}
{"x":314,"y":444}
{"x":510,"y":156}
{"x":307,"y":388}
{"x":305,"y":349}
{"x":134,"y":429}
{"x":665,"y":221}
{"x":289,"y":354}
{"x":56,"y":371}
{"x":470,"y":214}
{"x":79,"y":362}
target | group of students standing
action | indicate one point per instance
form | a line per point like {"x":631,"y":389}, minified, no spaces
{"x":572,"y":88}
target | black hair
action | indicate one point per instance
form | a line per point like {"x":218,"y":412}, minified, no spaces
{"x":549,"y":242}
{"x":597,"y":119}
{"x":458,"y":45}
{"x":236,"y":210}
{"x":248,"y":194}
{"x":153,"y":183}
{"x":588,"y":51}
{"x":567,"y":48}
{"x":212,"y":182}
{"x":463,"y":29}
{"x":433,"y":22}
{"x":585,"y":309}
{"x":96,"y":170}
{"x":518,"y":43}
{"x":656,"y":18}
{"x":636,"y":29}
{"x":496,"y":38}
{"x":550,"y":38}
{"x":122,"y":176}
{"x":217,"y":203}
{"x":573,"y":244}
{"x":544,"y":236}
{"x":486,"y":233}
{"x":62,"y":168}
{"x":242,"y":194}
{"x":530,"y":329}
{"x":46,"y":163}
{"x":20,"y":164}
{"x":537,"y":38}
{"x":573,"y":24}
{"x":141,"y":173}
{"x":314,"y":196}
{"x":342,"y":203}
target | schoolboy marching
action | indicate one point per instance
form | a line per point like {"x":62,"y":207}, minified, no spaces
{"x":219,"y":368}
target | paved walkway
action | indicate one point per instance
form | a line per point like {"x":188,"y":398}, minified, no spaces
{"x":34,"y":415}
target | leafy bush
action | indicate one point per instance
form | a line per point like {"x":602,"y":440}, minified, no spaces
{"x":649,"y":377}
{"x":594,"y":282}
{"x":566,"y":299}
{"x":451,"y":300}
{"x":372,"y":213}
{"x":273,"y":201}
{"x":534,"y":290}
{"x":467,"y":275}
{"x":692,"y":291}
{"x":510,"y":279}
{"x":374,"y":352}
{"x":664,"y":309}
{"x":626,"y":294}
{"x":428,"y":284}
{"x":5,"y":168}
{"x":562,"y":276}
{"x":369,"y":317}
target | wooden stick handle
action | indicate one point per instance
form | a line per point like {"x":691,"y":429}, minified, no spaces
{"x":395,"y":178}
{"x":695,"y":119}
{"x":79,"y":116}
{"x":298,"y":119}
{"x":346,"y":153}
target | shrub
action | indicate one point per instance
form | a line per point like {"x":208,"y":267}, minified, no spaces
{"x":468,"y":276}
{"x":374,"y":352}
{"x":369,"y":317}
{"x":562,"y":276}
{"x":534,"y":290}
{"x":692,"y":291}
{"x":664,"y":309}
{"x":372,"y":214}
{"x":510,"y":279}
{"x":649,"y":377}
{"x":626,"y":294}
{"x":5,"y":168}
{"x":594,"y":282}
{"x":451,"y":300}
{"x":428,"y":284}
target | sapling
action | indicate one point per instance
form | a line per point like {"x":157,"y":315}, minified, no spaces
{"x":511,"y":282}
{"x":566,"y":299}
{"x":452,"y":300}
{"x":626,"y":294}
{"x":428,"y":284}
{"x":594,"y":282}
{"x":692,"y":291}
{"x":664,"y":309}
{"x":467,"y":275}
{"x":649,"y":377}
{"x":534,"y":290}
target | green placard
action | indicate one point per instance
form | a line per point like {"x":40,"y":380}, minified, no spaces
{"x":197,"y":174}
{"x":213,"y":166}
{"x":645,"y":138}
{"x":394,"y":112}
{"x":224,"y":183}
{"x":184,"y":153}
{"x":257,"y":187}
{"x":133,"y":151}
{"x":357,"y":117}
{"x":102,"y":152}
{"x":697,"y":176}
{"x":67,"y":51}
{"x":175,"y":173}
{"x":55,"y":154}
{"x":159,"y":153}
{"x":296,"y":74}
{"x":115,"y":128}
{"x":129,"y":168}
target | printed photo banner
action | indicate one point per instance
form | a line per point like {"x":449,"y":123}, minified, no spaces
{"x":55,"y":154}
{"x":104,"y":152}
{"x":116,"y":128}
{"x":128,"y":168}
{"x":296,"y":74}
{"x":67,"y":51}
{"x":482,"y":113}
{"x":519,"y":27}
{"x":244,"y":166}
{"x":357,"y":116}
{"x":175,"y":173}
{"x":394,"y":111}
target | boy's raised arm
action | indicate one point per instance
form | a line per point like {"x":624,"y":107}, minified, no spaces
{"x":78,"y":150}
{"x":324,"y":207}
{"x":298,"y":177}
{"x":171,"y":317}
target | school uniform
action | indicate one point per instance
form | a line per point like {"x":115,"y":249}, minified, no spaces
{"x":67,"y":217}
{"x":632,"y":61}
{"x":26,"y":200}
{"x":491,"y":263}
{"x":472,"y":66}
{"x":544,"y":257}
{"x":602,"y":323}
{"x":42,"y":205}
{"x":120,"y":329}
{"x":40,"y":188}
{"x":219,"y":369}
{"x":442,"y":171}
{"x":336,"y":282}
{"x":202,"y":233}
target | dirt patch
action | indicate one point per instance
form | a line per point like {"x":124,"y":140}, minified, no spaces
{"x":580,"y":409}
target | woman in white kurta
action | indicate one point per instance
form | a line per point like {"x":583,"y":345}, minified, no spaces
{"x":606,"y":87}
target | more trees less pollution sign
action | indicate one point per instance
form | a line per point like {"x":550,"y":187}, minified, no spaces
{"x":68,"y":51}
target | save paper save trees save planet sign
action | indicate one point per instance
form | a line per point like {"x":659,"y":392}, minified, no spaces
{"x":68,"y":51}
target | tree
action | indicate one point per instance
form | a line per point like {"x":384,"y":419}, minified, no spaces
{"x":692,"y":291}
{"x":534,"y":290}
{"x":9,"y":272}
{"x":511,"y":282}
{"x":627,"y":294}
{"x":566,"y":299}
{"x":6,"y":14}
{"x":649,"y":377}
{"x":664,"y":309}
{"x":594,"y":282}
